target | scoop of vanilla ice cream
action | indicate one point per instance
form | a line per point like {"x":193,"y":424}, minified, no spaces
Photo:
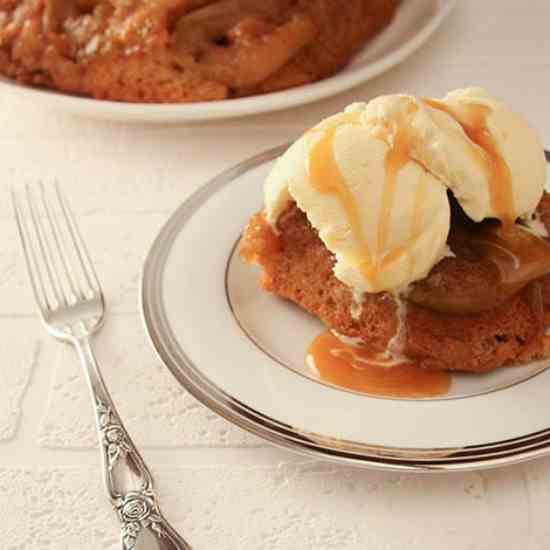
{"x":439,"y":142}
{"x":397,"y":236}
{"x":517,"y":143}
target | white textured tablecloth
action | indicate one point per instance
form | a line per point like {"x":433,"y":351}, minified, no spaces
{"x":223,"y":488}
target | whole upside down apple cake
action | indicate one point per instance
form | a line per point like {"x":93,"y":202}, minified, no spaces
{"x":182,"y":50}
{"x":416,"y":230}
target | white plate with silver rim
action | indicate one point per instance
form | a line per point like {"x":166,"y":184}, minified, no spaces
{"x":415,"y":21}
{"x":241,"y":352}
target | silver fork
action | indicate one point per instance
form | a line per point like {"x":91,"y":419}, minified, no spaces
{"x":72,"y":309}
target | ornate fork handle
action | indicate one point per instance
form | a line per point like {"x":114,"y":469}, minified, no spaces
{"x":127,"y":479}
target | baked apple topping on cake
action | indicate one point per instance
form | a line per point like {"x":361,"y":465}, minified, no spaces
{"x":416,"y":230}
{"x":182,"y":50}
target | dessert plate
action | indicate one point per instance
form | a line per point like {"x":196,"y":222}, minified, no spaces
{"x":415,"y":21}
{"x":241,"y":352}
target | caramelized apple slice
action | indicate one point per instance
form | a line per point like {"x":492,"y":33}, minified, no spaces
{"x":241,"y":42}
{"x":492,"y":263}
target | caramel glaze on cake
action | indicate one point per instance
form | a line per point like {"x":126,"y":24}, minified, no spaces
{"x":296,"y":265}
{"x":182,"y":50}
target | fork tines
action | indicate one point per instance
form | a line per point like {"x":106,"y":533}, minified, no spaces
{"x":58,"y":262}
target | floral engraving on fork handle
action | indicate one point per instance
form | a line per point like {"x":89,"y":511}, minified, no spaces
{"x":137,"y":510}
{"x":113,"y":434}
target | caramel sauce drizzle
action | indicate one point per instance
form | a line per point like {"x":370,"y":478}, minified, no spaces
{"x":396,"y":158}
{"x":327,"y":179}
{"x":359,"y":369}
{"x":419,"y":198}
{"x":498,"y":172}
